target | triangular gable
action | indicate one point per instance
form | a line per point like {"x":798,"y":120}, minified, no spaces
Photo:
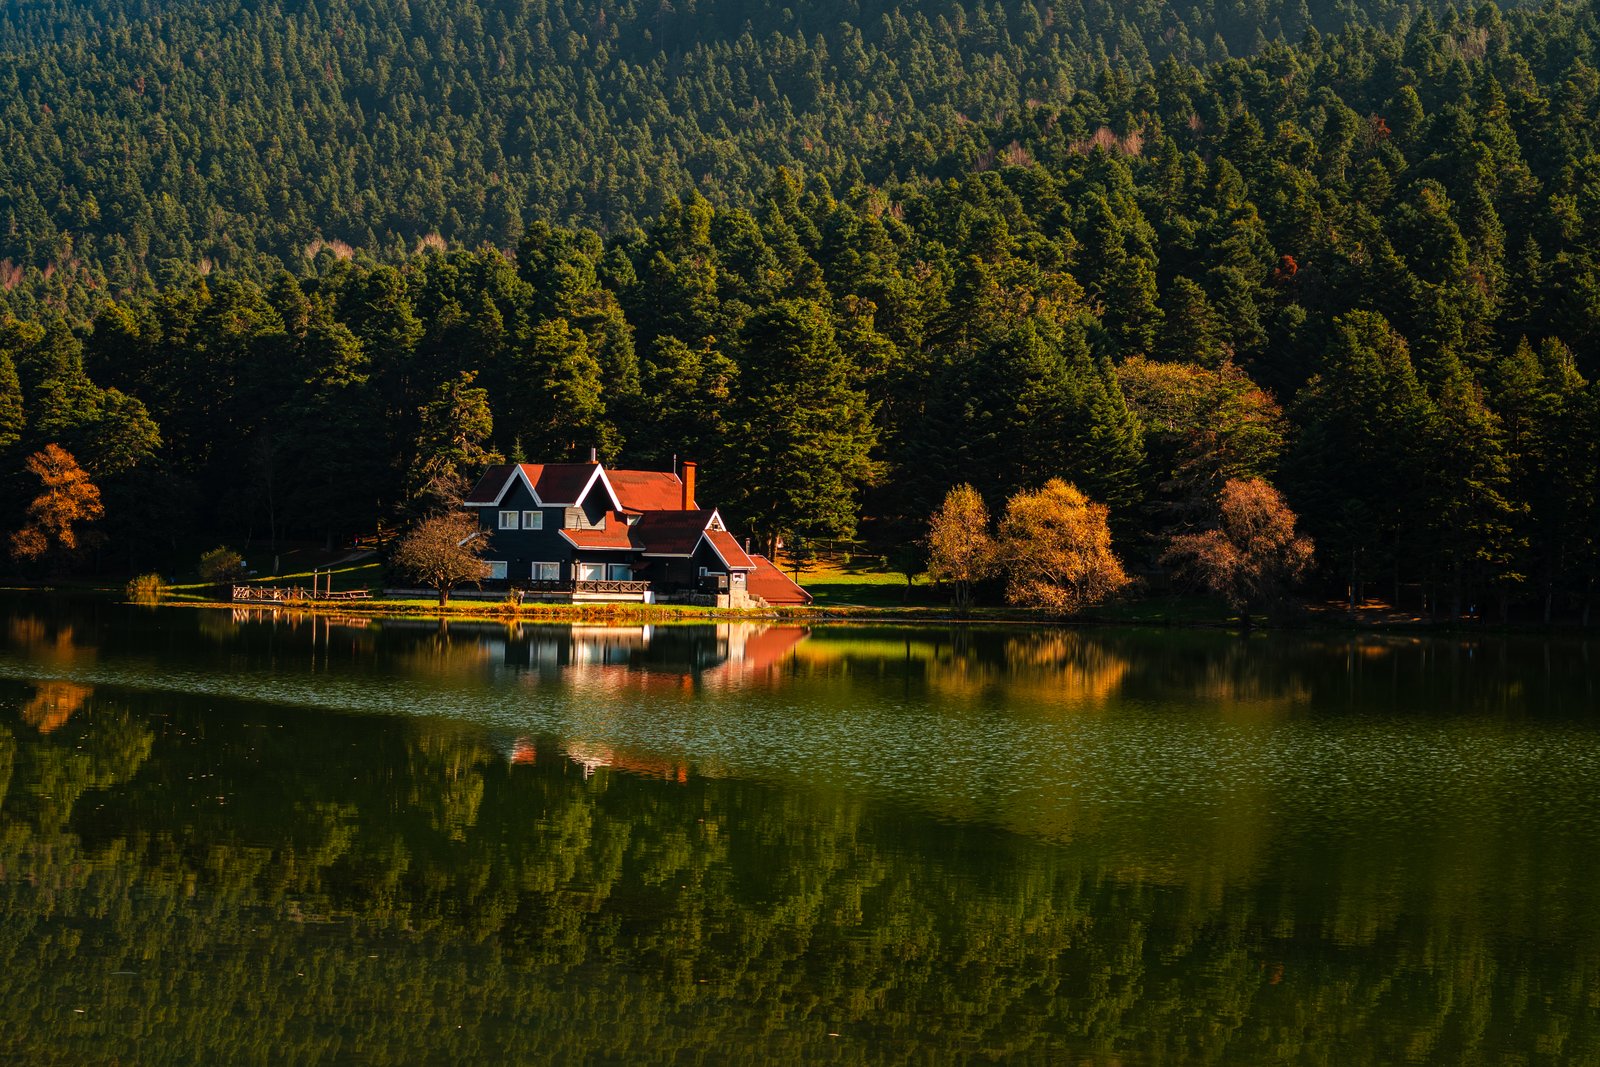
{"x":514,"y":472}
{"x":676,"y":533}
{"x":728,"y":551}
{"x":599,"y":475}
{"x":531,"y":474}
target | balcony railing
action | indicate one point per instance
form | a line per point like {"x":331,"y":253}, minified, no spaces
{"x":583,"y":585}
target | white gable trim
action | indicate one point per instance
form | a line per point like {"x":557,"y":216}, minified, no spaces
{"x":516,"y":472}
{"x":719,"y":555}
{"x":599,"y":475}
{"x":520,"y":473}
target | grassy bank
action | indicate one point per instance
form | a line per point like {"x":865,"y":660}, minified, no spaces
{"x":843,"y":589}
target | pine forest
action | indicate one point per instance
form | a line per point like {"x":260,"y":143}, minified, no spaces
{"x":268,"y":270}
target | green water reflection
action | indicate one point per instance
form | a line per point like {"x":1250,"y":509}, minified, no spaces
{"x":237,"y":838}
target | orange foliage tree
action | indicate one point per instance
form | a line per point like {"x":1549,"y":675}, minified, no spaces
{"x":1252,"y":555}
{"x":67,"y":502}
{"x":961,"y":550}
{"x":1056,"y":547}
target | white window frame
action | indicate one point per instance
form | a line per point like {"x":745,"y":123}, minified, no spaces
{"x":580,"y":571}
{"x":508,"y":520}
{"x":533,"y":520}
{"x":613,"y":568}
{"x":533,"y":571}
{"x":495,"y":565}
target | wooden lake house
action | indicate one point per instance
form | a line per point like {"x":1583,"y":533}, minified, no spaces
{"x":582,"y":532}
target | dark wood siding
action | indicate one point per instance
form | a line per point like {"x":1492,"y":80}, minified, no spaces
{"x":520,"y":548}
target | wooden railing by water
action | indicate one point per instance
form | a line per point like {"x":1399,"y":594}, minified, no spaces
{"x":281,"y":593}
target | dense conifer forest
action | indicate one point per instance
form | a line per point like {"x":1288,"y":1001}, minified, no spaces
{"x":268,"y":270}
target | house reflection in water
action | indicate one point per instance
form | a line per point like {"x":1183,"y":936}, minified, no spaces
{"x":643,"y":659}
{"x":689,"y":655}
{"x":592,"y":757}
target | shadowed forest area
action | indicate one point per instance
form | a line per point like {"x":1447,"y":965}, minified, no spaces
{"x":268,"y":271}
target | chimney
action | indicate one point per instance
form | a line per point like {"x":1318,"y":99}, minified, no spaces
{"x":593,"y":456}
{"x":688,"y":485}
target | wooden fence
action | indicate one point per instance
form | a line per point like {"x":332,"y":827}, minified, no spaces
{"x":280,"y":593}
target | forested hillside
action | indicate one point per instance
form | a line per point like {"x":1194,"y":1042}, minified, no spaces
{"x":151,"y":142}
{"x":1362,"y":266}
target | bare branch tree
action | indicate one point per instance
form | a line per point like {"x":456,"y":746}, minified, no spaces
{"x":443,"y":552}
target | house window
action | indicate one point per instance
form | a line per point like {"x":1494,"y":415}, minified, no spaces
{"x":592,"y":572}
{"x":547,"y":572}
{"x":497,"y":569}
{"x":620,"y":572}
{"x":508,"y":520}
{"x":533,"y":520}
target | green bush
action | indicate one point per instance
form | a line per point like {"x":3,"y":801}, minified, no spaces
{"x":221,"y":565}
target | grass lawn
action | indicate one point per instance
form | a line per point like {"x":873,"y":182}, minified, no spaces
{"x":863,"y":582}
{"x":365,"y":573}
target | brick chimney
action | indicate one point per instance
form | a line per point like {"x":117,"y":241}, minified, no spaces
{"x":688,"y":485}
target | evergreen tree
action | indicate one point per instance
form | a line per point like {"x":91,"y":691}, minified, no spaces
{"x":802,"y":437}
{"x":12,"y":422}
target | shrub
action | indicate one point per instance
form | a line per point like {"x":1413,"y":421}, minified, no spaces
{"x":221,"y":565}
{"x":147,"y":588}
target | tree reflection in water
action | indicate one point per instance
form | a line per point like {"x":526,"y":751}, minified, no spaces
{"x":193,"y":878}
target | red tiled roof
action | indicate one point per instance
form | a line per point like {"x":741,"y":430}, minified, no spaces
{"x":772,"y":585}
{"x":671,"y":533}
{"x":614,"y":534}
{"x":487,"y":491}
{"x":647,"y":490}
{"x":729,"y":550}
{"x":558,"y":484}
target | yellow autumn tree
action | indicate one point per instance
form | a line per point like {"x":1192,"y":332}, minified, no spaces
{"x":67,"y":502}
{"x":961,"y":551}
{"x":1056,"y":548}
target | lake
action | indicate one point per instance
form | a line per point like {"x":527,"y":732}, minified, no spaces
{"x":241,"y":837}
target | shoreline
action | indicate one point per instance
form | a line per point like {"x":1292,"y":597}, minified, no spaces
{"x":1318,"y":619}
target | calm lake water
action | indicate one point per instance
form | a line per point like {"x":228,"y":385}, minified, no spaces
{"x":240,"y":837}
